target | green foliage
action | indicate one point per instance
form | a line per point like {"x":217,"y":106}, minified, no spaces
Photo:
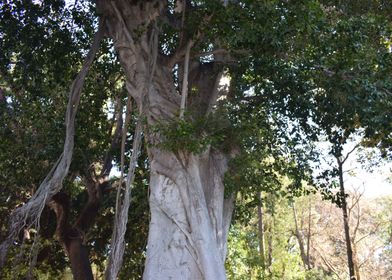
{"x":280,"y":246}
{"x":384,"y":218}
{"x":196,"y":135}
{"x":267,"y":154}
{"x":342,"y":69}
{"x":44,"y":45}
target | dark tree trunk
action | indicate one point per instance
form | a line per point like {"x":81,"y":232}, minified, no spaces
{"x":71,"y":239}
{"x":261,"y":233}
{"x":346,"y":223}
{"x":79,"y":258}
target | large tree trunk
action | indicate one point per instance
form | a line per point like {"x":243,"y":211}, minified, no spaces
{"x":71,"y":238}
{"x":190,"y":216}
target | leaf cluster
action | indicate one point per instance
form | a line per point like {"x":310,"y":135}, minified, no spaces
{"x":195,"y":135}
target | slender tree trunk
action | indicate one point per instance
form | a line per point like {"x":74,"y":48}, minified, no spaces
{"x":346,"y":223}
{"x":261,"y":233}
{"x":356,"y":263}
{"x":300,"y":239}
{"x":309,"y":236}
{"x":270,"y":245}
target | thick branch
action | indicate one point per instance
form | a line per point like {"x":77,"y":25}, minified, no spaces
{"x":60,"y":205}
{"x":184,"y":92}
{"x":124,"y":25}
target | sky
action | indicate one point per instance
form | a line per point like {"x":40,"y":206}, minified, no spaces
{"x":374,"y":183}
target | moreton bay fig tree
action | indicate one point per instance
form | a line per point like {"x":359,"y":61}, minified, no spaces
{"x":190,"y":216}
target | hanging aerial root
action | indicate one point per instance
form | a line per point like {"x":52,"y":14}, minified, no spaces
{"x":28,"y":215}
{"x":117,"y":245}
{"x":184,"y":91}
{"x":123,"y":202}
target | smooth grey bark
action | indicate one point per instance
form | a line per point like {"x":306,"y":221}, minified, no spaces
{"x":190,"y":215}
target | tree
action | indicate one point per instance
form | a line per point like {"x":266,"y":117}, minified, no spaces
{"x":189,"y":214}
{"x":343,"y":204}
{"x":32,"y":114}
{"x":366,"y":227}
{"x":304,"y":240}
{"x":282,"y":244}
{"x":168,"y":49}
{"x":348,"y":85}
{"x":385,"y":233}
{"x":369,"y":232}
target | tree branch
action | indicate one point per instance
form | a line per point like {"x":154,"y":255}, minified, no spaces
{"x":124,"y":25}
{"x":60,"y":205}
{"x":350,"y":152}
{"x":184,"y":91}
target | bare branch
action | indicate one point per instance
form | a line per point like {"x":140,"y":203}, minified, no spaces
{"x":350,"y":152}
{"x":184,"y":92}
